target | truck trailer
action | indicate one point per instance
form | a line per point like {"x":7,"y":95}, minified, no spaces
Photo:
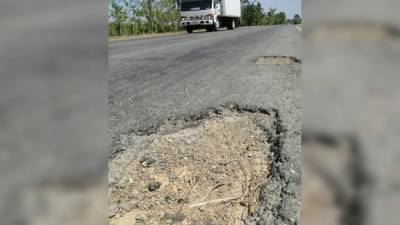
{"x":209,"y":14}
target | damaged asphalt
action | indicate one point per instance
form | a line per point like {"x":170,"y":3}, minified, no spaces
{"x":154,"y":79}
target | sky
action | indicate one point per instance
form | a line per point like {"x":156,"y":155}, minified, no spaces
{"x":290,"y":7}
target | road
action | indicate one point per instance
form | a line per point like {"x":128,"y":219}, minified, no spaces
{"x":153,"y":79}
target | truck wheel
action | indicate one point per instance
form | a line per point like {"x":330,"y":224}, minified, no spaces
{"x":189,"y":30}
{"x":210,"y":29}
{"x":216,"y":25}
{"x":232,"y":25}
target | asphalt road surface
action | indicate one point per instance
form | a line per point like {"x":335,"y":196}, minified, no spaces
{"x":153,"y":79}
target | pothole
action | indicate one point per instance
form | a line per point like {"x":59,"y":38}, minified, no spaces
{"x":277,"y":60}
{"x":210,"y":171}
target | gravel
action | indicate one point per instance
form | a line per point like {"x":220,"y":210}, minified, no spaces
{"x":154,"y":186}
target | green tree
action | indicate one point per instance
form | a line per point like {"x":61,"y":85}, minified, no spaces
{"x":248,"y":12}
{"x":258,"y":14}
{"x":271,"y":16}
{"x":149,"y":15}
{"x":297,"y":19}
{"x":137,"y":14}
{"x":119,"y":15}
{"x":252,"y":14}
{"x":172,"y":15}
{"x":280,"y":18}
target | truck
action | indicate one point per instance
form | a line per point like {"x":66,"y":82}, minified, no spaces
{"x":209,"y":14}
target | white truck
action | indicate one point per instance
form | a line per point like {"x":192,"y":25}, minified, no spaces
{"x":209,"y":14}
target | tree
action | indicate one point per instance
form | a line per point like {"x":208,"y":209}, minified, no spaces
{"x":248,"y":18}
{"x":137,"y":14}
{"x":148,"y":13}
{"x":297,"y":19}
{"x":280,"y":18}
{"x":271,"y":16}
{"x":252,"y":14}
{"x":119,"y":14}
{"x":258,"y":14}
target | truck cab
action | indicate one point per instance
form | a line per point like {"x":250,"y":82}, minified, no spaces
{"x":209,"y":14}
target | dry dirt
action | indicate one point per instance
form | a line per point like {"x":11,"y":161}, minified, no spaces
{"x":209,"y":173}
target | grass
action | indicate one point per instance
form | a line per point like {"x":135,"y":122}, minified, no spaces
{"x":116,"y":38}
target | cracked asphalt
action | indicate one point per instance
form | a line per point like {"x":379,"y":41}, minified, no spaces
{"x":153,"y":79}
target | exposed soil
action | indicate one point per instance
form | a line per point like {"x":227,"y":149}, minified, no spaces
{"x":208,"y":172}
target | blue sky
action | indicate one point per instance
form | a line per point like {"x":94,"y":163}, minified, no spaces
{"x":290,"y":7}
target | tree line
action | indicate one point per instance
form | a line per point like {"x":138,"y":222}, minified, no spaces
{"x":135,"y":17}
{"x":253,"y":14}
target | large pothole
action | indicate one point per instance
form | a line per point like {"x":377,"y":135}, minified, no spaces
{"x":207,"y":171}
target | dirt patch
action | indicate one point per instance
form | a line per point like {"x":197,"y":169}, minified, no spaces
{"x":209,"y":172}
{"x":277,"y":60}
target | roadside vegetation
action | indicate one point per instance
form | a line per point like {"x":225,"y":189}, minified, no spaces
{"x":253,"y":14}
{"x":138,"y":17}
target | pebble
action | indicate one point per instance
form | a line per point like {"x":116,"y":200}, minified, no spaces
{"x":148,"y":205}
{"x":215,"y":169}
{"x":154,"y":185}
{"x":140,"y":220}
{"x":172,"y":177}
{"x":182,"y":200}
{"x":147,"y":161}
{"x":175,"y":217}
{"x":169,"y":199}
{"x":210,"y":178}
